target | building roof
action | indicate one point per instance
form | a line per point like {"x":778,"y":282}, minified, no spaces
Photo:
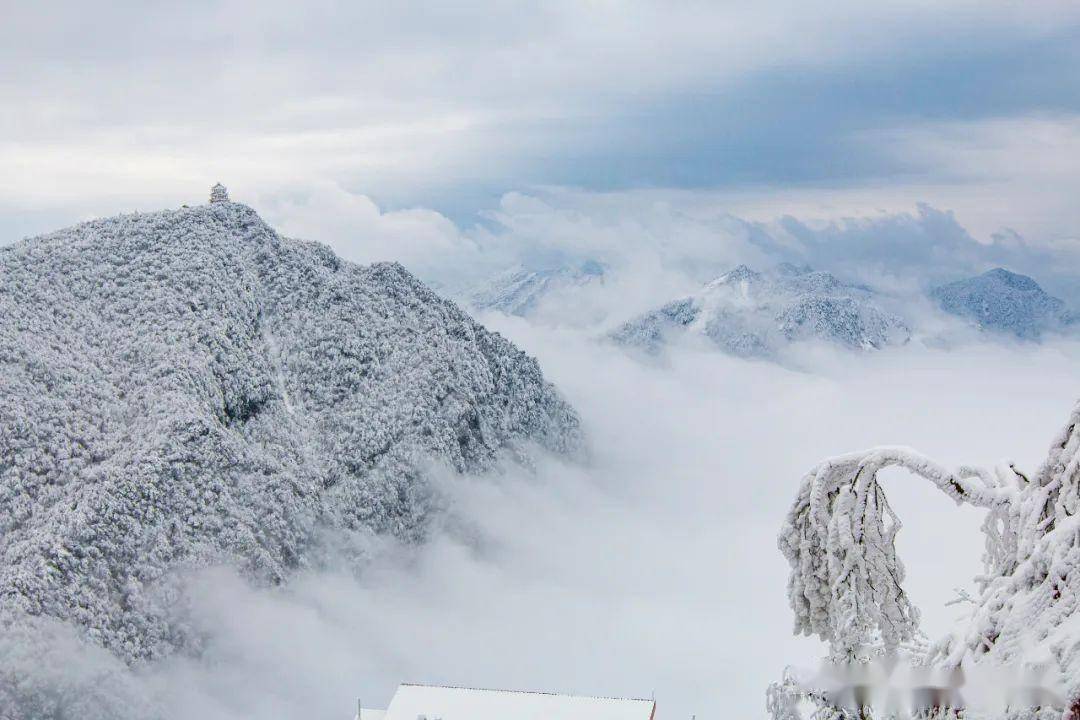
{"x":435,"y":702}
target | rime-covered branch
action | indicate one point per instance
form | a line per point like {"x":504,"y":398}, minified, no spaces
{"x":846,"y":580}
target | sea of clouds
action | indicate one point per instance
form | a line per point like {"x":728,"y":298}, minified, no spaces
{"x":651,"y":569}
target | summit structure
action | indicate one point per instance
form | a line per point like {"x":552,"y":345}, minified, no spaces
{"x":218,"y":194}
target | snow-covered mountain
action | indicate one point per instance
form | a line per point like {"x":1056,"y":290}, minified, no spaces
{"x":520,"y":290}
{"x":753,"y":314}
{"x":1004,"y":301}
{"x":187,"y":387}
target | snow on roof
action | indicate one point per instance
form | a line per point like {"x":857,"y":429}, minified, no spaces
{"x":435,"y":702}
{"x":370,"y":714}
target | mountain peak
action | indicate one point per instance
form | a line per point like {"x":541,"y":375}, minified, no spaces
{"x":1013,"y":280}
{"x":749,"y":313}
{"x":186,"y":387}
{"x":1003,"y":301}
{"x":522,"y":290}
{"x":739,"y":273}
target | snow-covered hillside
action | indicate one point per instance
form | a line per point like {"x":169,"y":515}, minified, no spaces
{"x":1006,"y":302}
{"x":754,"y":314}
{"x":186,"y":387}
{"x":520,"y":290}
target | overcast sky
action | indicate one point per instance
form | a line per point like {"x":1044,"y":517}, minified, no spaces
{"x":814,"y":107}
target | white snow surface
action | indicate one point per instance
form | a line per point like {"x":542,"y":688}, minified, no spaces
{"x":455,"y":703}
{"x":184,"y":388}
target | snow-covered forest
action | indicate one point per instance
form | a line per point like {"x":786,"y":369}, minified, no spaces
{"x":186,"y":388}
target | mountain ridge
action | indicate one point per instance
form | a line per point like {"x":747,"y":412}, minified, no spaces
{"x":1004,"y":301}
{"x":187,"y":387}
{"x":747,"y":313}
{"x":521,"y":290}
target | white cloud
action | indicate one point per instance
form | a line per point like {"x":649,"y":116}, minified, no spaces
{"x":355,"y":227}
{"x":997,"y":173}
{"x":658,"y":245}
{"x":652,"y":569}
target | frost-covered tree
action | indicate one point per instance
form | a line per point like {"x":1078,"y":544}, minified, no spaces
{"x":218,"y":194}
{"x":846,"y":581}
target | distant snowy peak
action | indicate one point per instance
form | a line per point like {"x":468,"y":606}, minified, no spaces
{"x":754,"y":314}
{"x":520,"y":290}
{"x":740,"y":275}
{"x":1003,"y":301}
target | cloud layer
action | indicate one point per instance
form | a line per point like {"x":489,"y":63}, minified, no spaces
{"x":140,"y":106}
{"x":653,"y":569}
{"x":656,"y":245}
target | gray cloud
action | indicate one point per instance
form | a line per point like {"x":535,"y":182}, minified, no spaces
{"x":136,"y":104}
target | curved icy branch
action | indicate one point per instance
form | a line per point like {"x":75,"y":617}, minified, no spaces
{"x":846,"y":580}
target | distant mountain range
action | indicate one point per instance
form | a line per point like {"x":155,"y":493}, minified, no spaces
{"x":1006,"y":302}
{"x":753,"y":314}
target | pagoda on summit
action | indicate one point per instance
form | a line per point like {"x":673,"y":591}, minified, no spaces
{"x":218,"y":194}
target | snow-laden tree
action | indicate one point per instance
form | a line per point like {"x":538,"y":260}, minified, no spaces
{"x":846,"y":581}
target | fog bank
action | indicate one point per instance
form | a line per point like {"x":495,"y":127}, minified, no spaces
{"x":653,"y":570}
